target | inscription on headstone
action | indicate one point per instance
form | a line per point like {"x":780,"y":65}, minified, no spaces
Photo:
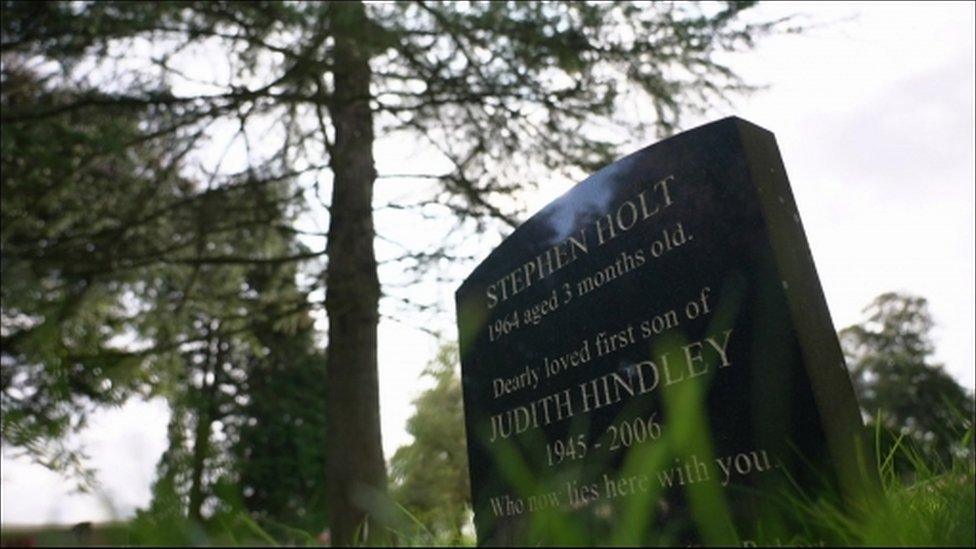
{"x":649,"y":359}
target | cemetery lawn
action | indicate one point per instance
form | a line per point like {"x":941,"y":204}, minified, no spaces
{"x":921,"y":506}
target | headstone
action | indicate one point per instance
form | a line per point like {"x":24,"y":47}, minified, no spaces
{"x":650,"y":358}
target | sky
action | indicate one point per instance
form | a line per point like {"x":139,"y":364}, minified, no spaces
{"x":873,"y":110}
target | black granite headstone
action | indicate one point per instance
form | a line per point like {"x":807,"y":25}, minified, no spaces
{"x":650,"y":359}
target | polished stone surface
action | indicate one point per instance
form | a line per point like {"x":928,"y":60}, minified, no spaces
{"x":653,"y":343}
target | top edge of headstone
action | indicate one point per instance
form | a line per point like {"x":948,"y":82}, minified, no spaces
{"x":601,"y":174}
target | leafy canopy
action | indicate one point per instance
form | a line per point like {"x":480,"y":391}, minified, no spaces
{"x":890,"y":358}
{"x":430,"y":475}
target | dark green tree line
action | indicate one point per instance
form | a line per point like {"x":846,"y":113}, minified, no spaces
{"x":897,"y":383}
{"x":247,"y":418}
{"x":430,"y":475}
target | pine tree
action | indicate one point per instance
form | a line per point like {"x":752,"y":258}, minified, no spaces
{"x":498,"y":91}
{"x":896,"y":381}
{"x":278,"y":450}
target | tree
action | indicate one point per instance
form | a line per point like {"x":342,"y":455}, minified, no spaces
{"x":247,"y":412}
{"x":280,"y":458}
{"x":248,"y":395}
{"x":75,"y":191}
{"x":498,"y":90}
{"x":101,"y":244}
{"x":246,"y":425}
{"x":890,"y":358}
{"x":430,"y":476}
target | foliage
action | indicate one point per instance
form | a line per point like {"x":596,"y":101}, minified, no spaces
{"x":890,"y":357}
{"x":294,"y":95}
{"x":934,"y":508}
{"x":430,"y":475}
{"x":74,"y":206}
{"x":135,"y":260}
{"x":105,"y":296}
{"x":933,"y":505}
{"x":249,"y":319}
{"x":494,"y":86}
{"x":248,"y":407}
{"x":278,"y":450}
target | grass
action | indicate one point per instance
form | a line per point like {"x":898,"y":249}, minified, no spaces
{"x":923,"y":503}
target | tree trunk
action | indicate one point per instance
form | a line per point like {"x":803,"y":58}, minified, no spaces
{"x":201,"y":442}
{"x":205,"y":410}
{"x":356,"y":469}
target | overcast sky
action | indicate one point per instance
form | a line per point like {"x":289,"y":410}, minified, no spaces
{"x":874,"y":117}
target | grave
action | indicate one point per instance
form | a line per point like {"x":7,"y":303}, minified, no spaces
{"x":650,"y":359}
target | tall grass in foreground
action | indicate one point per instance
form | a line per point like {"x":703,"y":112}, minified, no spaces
{"x":924,"y":503}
